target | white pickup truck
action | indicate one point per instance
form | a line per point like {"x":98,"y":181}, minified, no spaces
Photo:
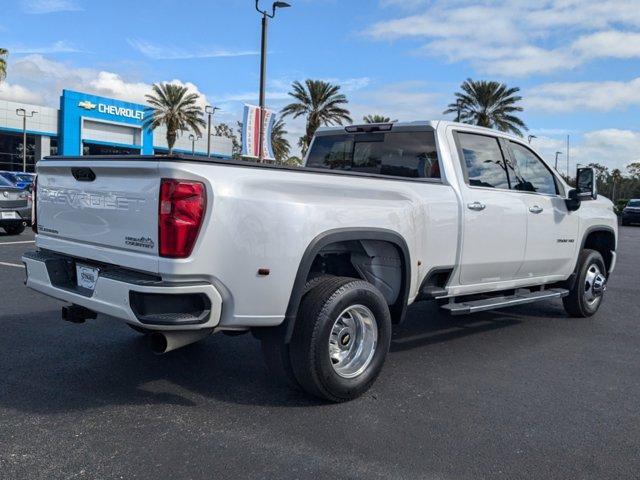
{"x":319,"y":261}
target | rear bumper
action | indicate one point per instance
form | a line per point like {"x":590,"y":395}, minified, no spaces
{"x":24,"y":212}
{"x":137,"y":299}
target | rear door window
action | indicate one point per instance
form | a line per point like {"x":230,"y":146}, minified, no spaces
{"x":396,"y":154}
{"x":483,"y":160}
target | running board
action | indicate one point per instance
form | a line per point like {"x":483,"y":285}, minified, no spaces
{"x":473,"y":306}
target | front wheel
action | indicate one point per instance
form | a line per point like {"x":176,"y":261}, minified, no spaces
{"x":341,"y":338}
{"x":585,"y":297}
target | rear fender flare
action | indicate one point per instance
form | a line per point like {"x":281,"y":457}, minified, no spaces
{"x":398,"y":309}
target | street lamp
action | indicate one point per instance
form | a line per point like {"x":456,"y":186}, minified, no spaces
{"x":531,"y":137}
{"x":557,"y":153}
{"x":193,"y":139}
{"x":209,"y":110}
{"x":263,"y":63}
{"x":21,"y":112}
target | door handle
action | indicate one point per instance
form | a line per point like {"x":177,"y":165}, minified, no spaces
{"x":476,"y":206}
{"x":536,"y":209}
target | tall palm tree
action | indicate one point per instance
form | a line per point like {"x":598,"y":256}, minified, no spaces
{"x":321,"y":102}
{"x":488,"y":104}
{"x":378,"y":119}
{"x":281,"y":146}
{"x":3,"y":63}
{"x":176,"y":109}
{"x":616,"y":177}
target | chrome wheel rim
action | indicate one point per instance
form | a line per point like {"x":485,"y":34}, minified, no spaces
{"x":353,"y":341}
{"x":594,"y":284}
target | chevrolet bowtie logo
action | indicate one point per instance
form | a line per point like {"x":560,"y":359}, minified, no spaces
{"x":87,"y":105}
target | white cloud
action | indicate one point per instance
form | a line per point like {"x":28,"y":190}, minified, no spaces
{"x":172,"y":52}
{"x":612,"y":148}
{"x":572,"y":96}
{"x":61,"y":46}
{"x":517,"y":37}
{"x":43,"y":80}
{"x":37,"y":7}
{"x":17,"y":93}
{"x":405,"y":101}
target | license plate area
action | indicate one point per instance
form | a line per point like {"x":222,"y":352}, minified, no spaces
{"x":87,"y":276}
{"x":9,"y":216}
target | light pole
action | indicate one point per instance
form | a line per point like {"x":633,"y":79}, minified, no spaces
{"x":209,"y":110}
{"x":193,"y":139}
{"x":263,"y":64}
{"x":557,"y":153}
{"x":21,"y":112}
{"x":530,"y":137}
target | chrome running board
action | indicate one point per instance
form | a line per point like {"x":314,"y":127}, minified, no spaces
{"x":473,"y":306}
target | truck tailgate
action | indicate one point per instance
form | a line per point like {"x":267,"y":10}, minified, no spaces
{"x":101,"y":203}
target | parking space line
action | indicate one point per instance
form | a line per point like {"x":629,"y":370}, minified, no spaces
{"x":11,"y":265}
{"x":16,"y":243}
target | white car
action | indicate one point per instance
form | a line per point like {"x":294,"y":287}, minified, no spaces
{"x":319,"y":261}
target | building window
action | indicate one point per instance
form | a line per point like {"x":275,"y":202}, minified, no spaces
{"x":11,"y":150}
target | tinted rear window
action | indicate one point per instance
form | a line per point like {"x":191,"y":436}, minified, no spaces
{"x":633,"y":203}
{"x":397,"y":154}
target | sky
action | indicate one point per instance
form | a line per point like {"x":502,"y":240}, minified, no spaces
{"x":577,"y":62}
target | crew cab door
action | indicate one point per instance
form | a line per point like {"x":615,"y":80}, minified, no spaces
{"x":494,"y":219}
{"x":551,"y":227}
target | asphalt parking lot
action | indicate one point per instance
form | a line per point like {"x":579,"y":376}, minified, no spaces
{"x":520,"y":393}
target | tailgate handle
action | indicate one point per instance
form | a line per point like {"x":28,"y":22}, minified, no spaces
{"x":83,"y":174}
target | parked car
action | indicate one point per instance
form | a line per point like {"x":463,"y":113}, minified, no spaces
{"x":15,"y":207}
{"x":319,"y":261}
{"x":21,"y":180}
{"x":631,"y":213}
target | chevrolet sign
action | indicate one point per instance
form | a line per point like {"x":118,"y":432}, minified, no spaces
{"x":113,"y":110}
{"x":121,"y":111}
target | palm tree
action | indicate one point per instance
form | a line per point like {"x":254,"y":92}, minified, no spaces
{"x":488,"y":104}
{"x":3,"y":63}
{"x":616,"y":176}
{"x":281,"y":146}
{"x":176,"y":109}
{"x":321,"y":103}
{"x":378,"y":119}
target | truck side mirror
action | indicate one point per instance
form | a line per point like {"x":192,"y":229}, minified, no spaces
{"x":586,"y":184}
{"x":573,"y":200}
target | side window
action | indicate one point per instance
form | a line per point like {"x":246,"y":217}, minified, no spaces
{"x":484,"y":161}
{"x":531,"y":174}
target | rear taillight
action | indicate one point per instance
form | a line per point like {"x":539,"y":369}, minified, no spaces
{"x":34,"y":220}
{"x":181,"y":211}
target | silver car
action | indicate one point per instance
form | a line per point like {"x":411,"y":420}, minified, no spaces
{"x":15,"y":208}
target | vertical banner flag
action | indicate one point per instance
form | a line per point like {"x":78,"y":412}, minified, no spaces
{"x":251,"y":132}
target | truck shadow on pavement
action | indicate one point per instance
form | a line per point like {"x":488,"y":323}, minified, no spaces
{"x":77,"y":367}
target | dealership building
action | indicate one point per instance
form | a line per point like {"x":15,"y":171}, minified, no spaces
{"x":88,"y":125}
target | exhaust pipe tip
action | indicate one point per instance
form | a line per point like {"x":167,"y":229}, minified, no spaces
{"x":163,"y":342}
{"x":158,"y":343}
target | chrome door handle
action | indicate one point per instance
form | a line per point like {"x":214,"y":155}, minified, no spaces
{"x":536,"y":209}
{"x":477,"y":206}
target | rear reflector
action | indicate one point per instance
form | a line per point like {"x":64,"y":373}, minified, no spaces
{"x":180,"y":215}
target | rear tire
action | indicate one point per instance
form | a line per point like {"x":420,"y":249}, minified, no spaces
{"x":14,"y":229}
{"x":586,"y":296}
{"x":341,"y":338}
